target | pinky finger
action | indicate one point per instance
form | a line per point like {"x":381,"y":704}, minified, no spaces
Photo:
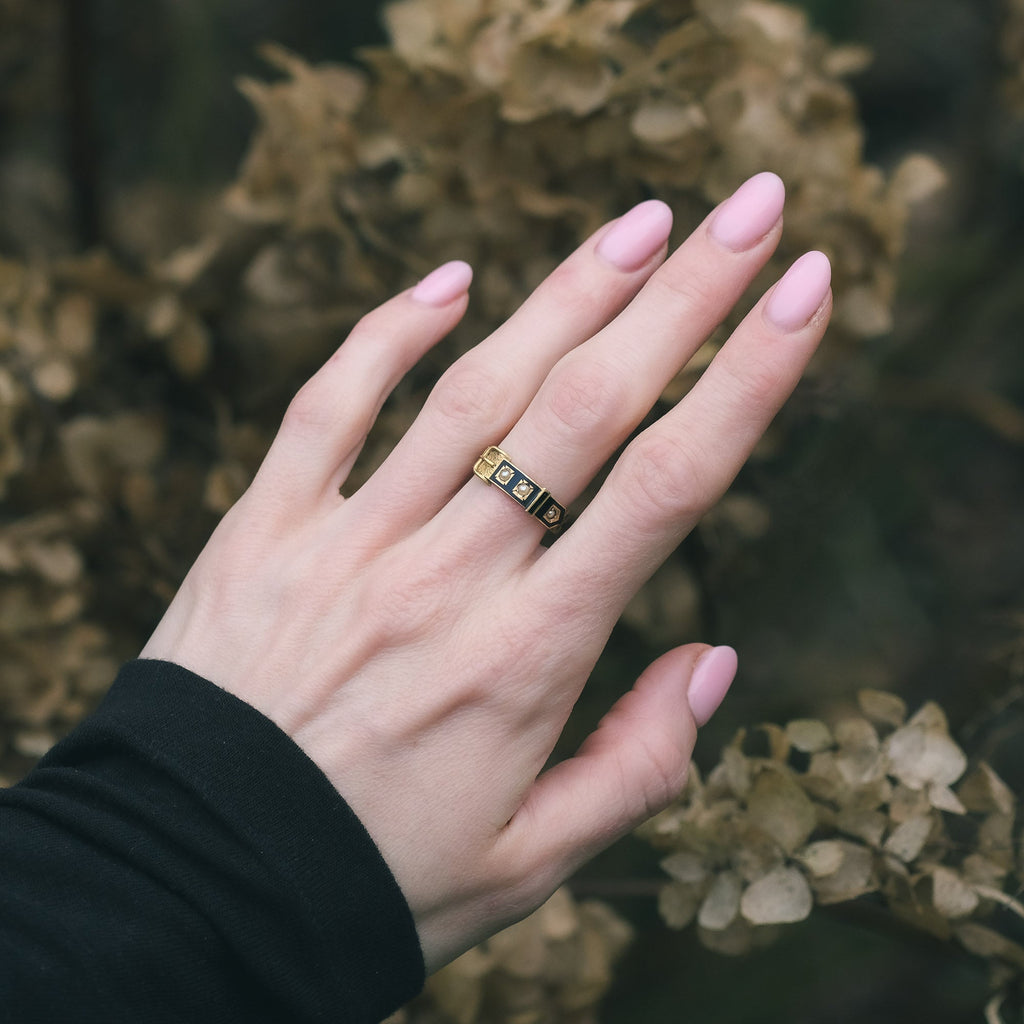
{"x":327,"y":422}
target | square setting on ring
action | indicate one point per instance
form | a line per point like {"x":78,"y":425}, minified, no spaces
{"x":522,"y":490}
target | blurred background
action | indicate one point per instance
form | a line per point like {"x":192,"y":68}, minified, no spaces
{"x":171,"y":267}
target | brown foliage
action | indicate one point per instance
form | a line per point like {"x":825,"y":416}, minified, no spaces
{"x":498,"y":132}
{"x":552,"y":968}
{"x":876,"y":805}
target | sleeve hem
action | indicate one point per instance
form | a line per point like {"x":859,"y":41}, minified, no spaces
{"x":263,"y":786}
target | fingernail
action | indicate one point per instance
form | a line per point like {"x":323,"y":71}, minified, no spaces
{"x":799,"y":295}
{"x":750,"y":212}
{"x":637,"y":235}
{"x":710,"y":682}
{"x":445,"y":284}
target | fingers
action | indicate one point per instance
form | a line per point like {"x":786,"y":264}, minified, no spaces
{"x":630,"y":768}
{"x":597,"y":394}
{"x":679,"y":467}
{"x":485,"y":392}
{"x":328,"y":420}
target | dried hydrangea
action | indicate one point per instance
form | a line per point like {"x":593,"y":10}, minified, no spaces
{"x":501,"y":132}
{"x":827,"y":814}
{"x":554,"y":967}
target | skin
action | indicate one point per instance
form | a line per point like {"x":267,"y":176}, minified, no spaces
{"x":417,"y":642}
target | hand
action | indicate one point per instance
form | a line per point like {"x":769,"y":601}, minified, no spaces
{"x":417,"y":641}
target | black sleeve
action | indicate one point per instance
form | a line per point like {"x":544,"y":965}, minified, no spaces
{"x":179,"y":859}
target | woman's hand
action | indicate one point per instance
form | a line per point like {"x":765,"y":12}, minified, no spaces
{"x":417,"y":641}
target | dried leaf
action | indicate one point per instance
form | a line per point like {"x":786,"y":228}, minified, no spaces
{"x":920,"y":754}
{"x":737,"y":769}
{"x":882,"y":708}
{"x":685,"y":866}
{"x":781,"y":897}
{"x":458,"y":989}
{"x":942,"y":798}
{"x":979,"y":870}
{"x":722,"y":903}
{"x":995,"y":839}
{"x":678,"y":903}
{"x":736,"y":940}
{"x":55,"y":378}
{"x":951,"y":896}
{"x":906,"y":803}
{"x":908,"y":838}
{"x":659,"y":121}
{"x":868,"y":825}
{"x":983,"y":790}
{"x":809,"y":735}
{"x":986,"y":942}
{"x":917,"y":178}
{"x":854,"y":877}
{"x":780,"y":808}
{"x":859,"y":761}
{"x":822,"y":858}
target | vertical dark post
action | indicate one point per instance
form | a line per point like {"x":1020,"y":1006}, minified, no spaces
{"x":82,"y":149}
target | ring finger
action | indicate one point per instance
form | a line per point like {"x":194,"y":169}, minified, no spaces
{"x":486,"y":390}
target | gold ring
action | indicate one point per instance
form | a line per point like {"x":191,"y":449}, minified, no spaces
{"x":497,"y":468}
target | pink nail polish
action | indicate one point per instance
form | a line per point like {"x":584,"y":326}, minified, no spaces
{"x":710,"y":682}
{"x":445,"y":284}
{"x":750,"y":212}
{"x":800,"y":293}
{"x":637,"y":235}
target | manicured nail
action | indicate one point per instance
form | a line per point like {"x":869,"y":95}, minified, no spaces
{"x":799,"y":295}
{"x":750,"y":212}
{"x":445,"y":284}
{"x":637,"y":235}
{"x":710,"y":682}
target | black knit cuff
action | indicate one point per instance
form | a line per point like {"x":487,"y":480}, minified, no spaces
{"x":265,"y":789}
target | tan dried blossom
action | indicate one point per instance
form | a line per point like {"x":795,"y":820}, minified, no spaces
{"x":554,"y":967}
{"x":834,"y":814}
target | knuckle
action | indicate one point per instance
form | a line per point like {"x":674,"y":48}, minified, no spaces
{"x":307,"y":411}
{"x":370,"y":324}
{"x":587,"y":396}
{"x":754,"y":382}
{"x":574,"y":285}
{"x":670,"y":479}
{"x":387,"y":325}
{"x":691,"y":289}
{"x":663,"y":777}
{"x":468,"y":393}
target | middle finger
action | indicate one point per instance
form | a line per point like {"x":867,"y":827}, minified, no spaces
{"x":597,"y":394}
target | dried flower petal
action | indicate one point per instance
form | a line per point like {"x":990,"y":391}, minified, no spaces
{"x":722,"y":903}
{"x":809,"y":735}
{"x":882,"y":708}
{"x":780,"y":808}
{"x":907,"y":839}
{"x":951,"y":896}
{"x":781,"y":897}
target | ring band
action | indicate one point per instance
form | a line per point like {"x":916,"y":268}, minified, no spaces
{"x":497,"y":468}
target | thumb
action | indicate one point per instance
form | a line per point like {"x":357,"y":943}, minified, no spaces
{"x":631,"y":767}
